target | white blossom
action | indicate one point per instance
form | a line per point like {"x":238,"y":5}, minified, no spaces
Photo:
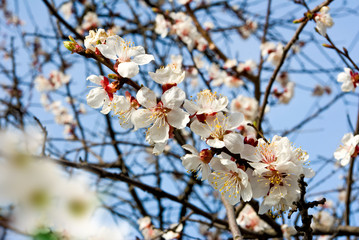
{"x":162,"y":115}
{"x":348,"y":149}
{"x":230,"y":180}
{"x":349,"y":79}
{"x":197,"y":161}
{"x":127,"y":57}
{"x":323,"y":20}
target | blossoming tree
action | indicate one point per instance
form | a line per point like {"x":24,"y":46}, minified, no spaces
{"x":187,"y":128}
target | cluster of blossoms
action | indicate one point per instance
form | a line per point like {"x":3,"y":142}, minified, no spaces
{"x":238,"y":165}
{"x":55,"y":80}
{"x":219,"y":76}
{"x":43,"y":199}
{"x":62,"y":115}
{"x":272,"y":51}
{"x":183,"y":27}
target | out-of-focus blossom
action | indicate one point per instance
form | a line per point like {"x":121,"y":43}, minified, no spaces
{"x":248,"y":28}
{"x":66,"y":9}
{"x":175,"y":233}
{"x":288,"y":231}
{"x":249,"y":219}
{"x":248,"y":66}
{"x":246,"y":105}
{"x":90,"y":21}
{"x":53,"y":82}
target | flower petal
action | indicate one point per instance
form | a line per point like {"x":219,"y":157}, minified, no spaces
{"x":234,"y":142}
{"x":190,"y":107}
{"x":190,"y":148}
{"x":234,"y":120}
{"x":141,"y":118}
{"x":95,"y":79}
{"x":200,"y":129}
{"x":96,"y":97}
{"x":146,"y":97}
{"x":159,"y":132}
{"x":173,"y":98}
{"x":128,"y":69}
{"x":178,"y":118}
{"x":143,"y":59}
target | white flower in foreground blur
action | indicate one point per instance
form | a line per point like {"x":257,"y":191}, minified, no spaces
{"x":349,"y":79}
{"x":277,"y":167}
{"x":124,"y":108}
{"x":218,"y":131}
{"x":127,"y":57}
{"x":206,"y":103}
{"x":163,"y":114}
{"x":172,"y":74}
{"x":55,"y":81}
{"x":96,"y":37}
{"x":101,"y":96}
{"x":246,"y":105}
{"x":249,"y":219}
{"x":230,"y":180}
{"x":323,"y":20}
{"x":349,"y":148}
{"x":197,"y":161}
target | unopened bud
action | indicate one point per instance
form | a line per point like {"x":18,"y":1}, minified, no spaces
{"x":300,"y":20}
{"x":113,"y":76}
{"x":327,"y":45}
{"x":70,"y":46}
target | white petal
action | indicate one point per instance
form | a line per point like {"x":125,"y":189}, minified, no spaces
{"x":178,"y":118}
{"x":109,"y":49}
{"x":96,"y":97}
{"x":128,"y":69}
{"x":159,"y":132}
{"x":234,"y":120}
{"x":95,"y":79}
{"x":246,"y":193}
{"x":190,"y":148}
{"x":190,"y":107}
{"x":206,"y":171}
{"x":107,"y":106}
{"x":143,"y":59}
{"x":234,"y":142}
{"x":141,"y":118}
{"x":173,"y":98}
{"x":191,"y":162}
{"x":216,"y":143}
{"x":200,"y":129}
{"x":146,"y":97}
